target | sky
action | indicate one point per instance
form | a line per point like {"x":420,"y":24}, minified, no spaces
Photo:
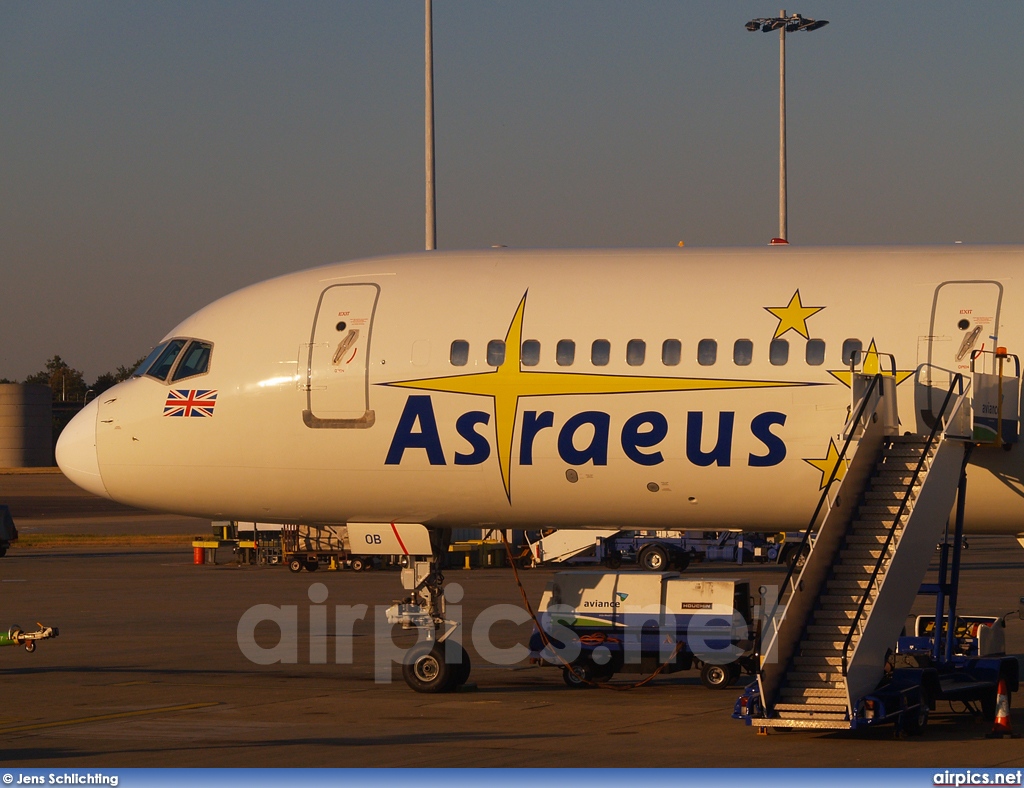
{"x":155,"y":156}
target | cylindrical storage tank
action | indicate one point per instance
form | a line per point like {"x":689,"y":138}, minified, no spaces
{"x":26,"y":425}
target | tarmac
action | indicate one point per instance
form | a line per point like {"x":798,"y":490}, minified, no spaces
{"x":148,"y":669}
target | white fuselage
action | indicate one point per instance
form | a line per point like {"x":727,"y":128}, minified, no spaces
{"x":336,"y":399}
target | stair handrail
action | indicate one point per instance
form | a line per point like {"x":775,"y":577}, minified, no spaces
{"x":849,"y":431}
{"x":958,"y":380}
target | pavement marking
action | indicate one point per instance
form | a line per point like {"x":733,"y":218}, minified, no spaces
{"x":103,"y":717}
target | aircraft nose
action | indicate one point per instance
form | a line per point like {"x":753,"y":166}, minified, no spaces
{"x":76,"y":451}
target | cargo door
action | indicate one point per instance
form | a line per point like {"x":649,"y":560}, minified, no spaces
{"x":337,"y":375}
{"x":964,"y":319}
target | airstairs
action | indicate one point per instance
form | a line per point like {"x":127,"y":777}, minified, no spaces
{"x":881,"y":522}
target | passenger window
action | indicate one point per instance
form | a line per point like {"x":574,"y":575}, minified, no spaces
{"x":851,"y":351}
{"x":636,"y":352}
{"x":531,"y":353}
{"x":707,"y":352}
{"x":495,"y":352}
{"x":742,"y":352}
{"x":565,"y":352}
{"x":778,"y":352}
{"x":148,"y":361}
{"x":459,"y":355}
{"x":671,"y":352}
{"x":194,"y":361}
{"x":162,"y":366}
{"x":600,"y":352}
{"x":815,"y":352}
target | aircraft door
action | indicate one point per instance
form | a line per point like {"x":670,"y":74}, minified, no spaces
{"x":964,"y":319}
{"x":337,"y":375}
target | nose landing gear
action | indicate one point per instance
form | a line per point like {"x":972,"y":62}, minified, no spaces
{"x":438,"y":663}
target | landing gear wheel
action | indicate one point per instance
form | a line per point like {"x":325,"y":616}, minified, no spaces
{"x":654,"y":559}
{"x":295,"y":565}
{"x":358,"y":564}
{"x":715,"y":676}
{"x":425,"y":670}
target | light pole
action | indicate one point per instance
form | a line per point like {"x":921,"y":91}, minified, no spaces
{"x":428,"y":70}
{"x":784,"y":24}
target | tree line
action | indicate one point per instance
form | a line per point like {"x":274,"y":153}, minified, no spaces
{"x":69,"y":385}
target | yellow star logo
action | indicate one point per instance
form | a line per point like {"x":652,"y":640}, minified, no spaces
{"x":827,"y":463}
{"x":793,"y":316}
{"x":872,"y":366}
{"x":508,"y":383}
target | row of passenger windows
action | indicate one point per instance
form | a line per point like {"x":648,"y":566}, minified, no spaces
{"x":177,"y":359}
{"x":671,"y":352}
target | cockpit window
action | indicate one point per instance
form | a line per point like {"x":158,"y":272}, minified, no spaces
{"x":194,"y":361}
{"x":162,"y":366}
{"x":148,"y":361}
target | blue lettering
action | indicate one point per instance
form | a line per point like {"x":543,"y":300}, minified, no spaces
{"x":417,"y":408}
{"x":761,"y":428}
{"x":633,"y":439}
{"x":481,"y":448}
{"x":722,"y":453}
{"x":533,"y":423}
{"x":597,"y":451}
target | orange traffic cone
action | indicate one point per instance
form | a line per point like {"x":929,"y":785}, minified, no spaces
{"x":1001,"y":728}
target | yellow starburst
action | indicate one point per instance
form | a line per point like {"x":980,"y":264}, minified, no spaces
{"x":793,"y":316}
{"x":508,"y":383}
{"x":872,"y":366}
{"x":827,"y":463}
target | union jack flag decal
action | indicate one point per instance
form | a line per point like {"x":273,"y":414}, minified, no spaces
{"x":190,"y":402}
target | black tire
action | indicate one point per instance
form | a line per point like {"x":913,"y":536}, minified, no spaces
{"x":796,"y":558}
{"x":613,"y":560}
{"x":735,"y":671}
{"x":295,"y":565}
{"x":312,"y":565}
{"x":681,"y":560}
{"x":914,"y":722}
{"x":358,"y":564}
{"x":654,"y":558}
{"x":715,"y":676}
{"x":579,"y":676}
{"x":462,"y":670}
{"x":3,"y":551}
{"x":425,"y":670}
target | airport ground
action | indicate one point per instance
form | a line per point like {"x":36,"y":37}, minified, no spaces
{"x":147,"y":670}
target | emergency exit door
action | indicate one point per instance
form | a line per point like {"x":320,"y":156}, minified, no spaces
{"x":337,"y":374}
{"x":964,"y":321}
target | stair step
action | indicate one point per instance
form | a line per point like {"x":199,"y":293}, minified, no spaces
{"x":819,"y":704}
{"x":845,"y":584}
{"x":853,"y":569}
{"x":791,"y":694}
{"x":835,"y":615}
{"x":826,"y":648}
{"x":811,"y":719}
{"x":832,"y":629}
{"x":816,"y":678}
{"x":877,"y":497}
{"x":869,"y":539}
{"x":870,"y":508}
{"x":861,"y":552}
{"x":805,"y":662}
